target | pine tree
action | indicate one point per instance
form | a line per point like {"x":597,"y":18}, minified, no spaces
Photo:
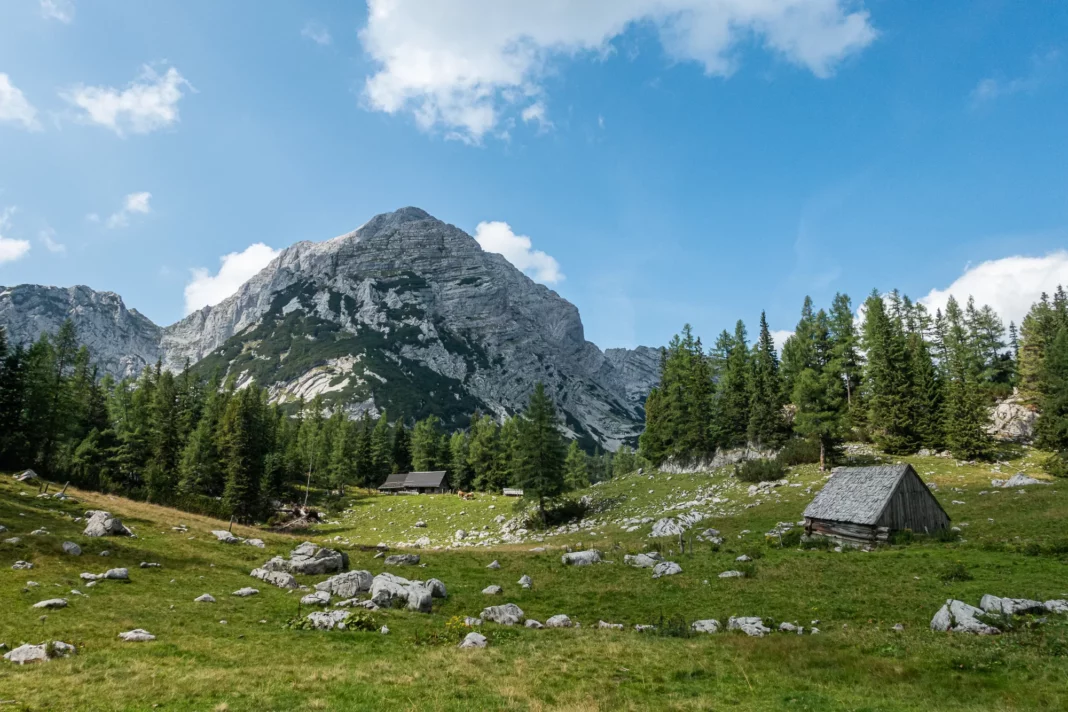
{"x":576,"y":471}
{"x":200,"y":470}
{"x":844,"y":347}
{"x":426,"y":445}
{"x":539,"y":458}
{"x":402,"y":448}
{"x":797,"y":351}
{"x":730,"y":421}
{"x":14,"y":445}
{"x":767,"y":426}
{"x":242,"y":454}
{"x":483,"y":456}
{"x":891,"y":400}
{"x":819,"y":391}
{"x":507,"y":444}
{"x":1052,"y":427}
{"x":966,"y":417}
{"x":927,"y":386}
{"x":624,"y":462}
{"x":364,"y":469}
{"x":342,"y":466}
{"x":162,"y":471}
{"x":381,"y":450}
{"x":459,"y":471}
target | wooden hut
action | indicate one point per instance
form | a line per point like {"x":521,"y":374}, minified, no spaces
{"x":427,"y":482}
{"x":393,"y":483}
{"x":863,"y":505}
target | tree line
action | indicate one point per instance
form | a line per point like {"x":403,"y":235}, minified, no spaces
{"x":900,"y":377}
{"x":211,"y":446}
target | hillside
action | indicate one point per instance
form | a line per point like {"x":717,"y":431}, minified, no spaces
{"x":406,"y":313}
{"x":1013,"y":545}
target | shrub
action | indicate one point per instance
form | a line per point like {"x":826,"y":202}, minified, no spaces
{"x":1057,"y":464}
{"x":817,"y":542}
{"x":799,"y":451}
{"x":790,"y":538}
{"x":559,"y":511}
{"x":955,"y":572}
{"x":758,"y":470}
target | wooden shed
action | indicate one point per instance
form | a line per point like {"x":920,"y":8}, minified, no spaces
{"x":427,"y":482}
{"x":865,"y":504}
{"x":393,"y":483}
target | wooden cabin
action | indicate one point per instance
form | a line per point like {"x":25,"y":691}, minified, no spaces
{"x":416,"y":483}
{"x":393,"y":483}
{"x":864,"y":505}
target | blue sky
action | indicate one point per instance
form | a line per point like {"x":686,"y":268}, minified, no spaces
{"x":675,"y":161}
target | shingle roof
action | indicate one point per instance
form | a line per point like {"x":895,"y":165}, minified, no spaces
{"x":426,"y":479}
{"x":394,"y":481}
{"x":856,"y":494}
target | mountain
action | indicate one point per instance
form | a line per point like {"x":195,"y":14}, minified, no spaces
{"x":406,"y":313}
{"x":123,"y":341}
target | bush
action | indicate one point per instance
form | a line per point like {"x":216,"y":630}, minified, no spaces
{"x":557,"y":512}
{"x":955,"y":572}
{"x":817,"y":542}
{"x":1057,"y":464}
{"x":759,"y":470}
{"x":799,"y":451}
{"x":787,"y":540}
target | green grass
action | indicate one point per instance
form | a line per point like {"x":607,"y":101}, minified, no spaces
{"x":857,"y":662}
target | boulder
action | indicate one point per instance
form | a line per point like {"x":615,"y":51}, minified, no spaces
{"x":1017,"y":480}
{"x":348,"y":584}
{"x":117,"y":574}
{"x":675,"y":526}
{"x":474,"y":640}
{"x":750,"y":625}
{"x":492,"y":590}
{"x":51,"y":603}
{"x":226,"y":537}
{"x":314,"y":560}
{"x":402,"y":560}
{"x":642,"y":561}
{"x":558,"y":621}
{"x":959,"y":617}
{"x":1057,"y":606}
{"x":709,"y":625}
{"x":245,"y":592}
{"x":732,"y":574}
{"x":39,"y":653}
{"x":150,"y":565}
{"x":388,"y":590}
{"x":531,"y":623}
{"x":71,"y":548}
{"x":318,"y":598}
{"x":1012,"y":421}
{"x":493,"y":565}
{"x":328,"y":620}
{"x":137,"y":635}
{"x":281,"y":579}
{"x":525,"y":582}
{"x":581,"y":558}
{"x":508,"y":614}
{"x":791,"y":628}
{"x":609,"y":626}
{"x":437,"y":588}
{"x":1011,"y":606}
{"x":22,"y":566}
{"x":204,"y":598}
{"x":420,"y":524}
{"x":258,"y":543}
{"x":419,"y":598}
{"x":472,"y":622}
{"x":666,"y":568}
{"x":100,"y":523}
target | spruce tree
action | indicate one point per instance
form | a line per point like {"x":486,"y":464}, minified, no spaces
{"x":243,"y":455}
{"x":539,"y":452}
{"x":730,"y":421}
{"x":844,"y":347}
{"x":381,"y":450}
{"x":891,"y":400}
{"x":576,"y":470}
{"x":483,"y":456}
{"x":342,"y":466}
{"x":1052,"y":427}
{"x":426,"y":445}
{"x":767,"y":425}
{"x":819,"y":392}
{"x":402,"y":448}
{"x":797,"y":351}
{"x":927,"y":386}
{"x":459,"y":471}
{"x":966,"y":416}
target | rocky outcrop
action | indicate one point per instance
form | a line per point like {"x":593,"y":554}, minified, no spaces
{"x":406,"y":302}
{"x":122,"y":341}
{"x":1012,"y":421}
{"x":100,"y":523}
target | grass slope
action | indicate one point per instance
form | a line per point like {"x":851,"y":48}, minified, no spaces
{"x":1014,"y":545}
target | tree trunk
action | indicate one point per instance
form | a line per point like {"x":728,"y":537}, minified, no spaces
{"x":823,"y":466}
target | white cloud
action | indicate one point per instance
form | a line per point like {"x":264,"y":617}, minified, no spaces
{"x":537,"y":112}
{"x":148,"y":103}
{"x":1009,"y":285}
{"x":14,"y":107}
{"x":462,"y":65}
{"x":10,"y":249}
{"x":48,"y":239}
{"x":134,"y":204}
{"x":317,"y":33}
{"x":993,"y":88}
{"x":205,"y":289}
{"x":779,"y":336}
{"x":498,"y":237}
{"x":62,"y":10}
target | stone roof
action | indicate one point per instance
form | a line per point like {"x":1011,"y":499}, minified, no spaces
{"x":394,"y":481}
{"x":857,"y":494}
{"x":426,"y":479}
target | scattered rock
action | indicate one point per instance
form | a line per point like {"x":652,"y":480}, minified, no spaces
{"x":384,"y":630}
{"x":437,"y":588}
{"x":531,"y":623}
{"x":1017,"y":480}
{"x":71,"y":548}
{"x":22,"y":565}
{"x":419,"y":598}
{"x":150,"y":565}
{"x":328,"y":620}
{"x":472,"y":622}
{"x":204,"y":598}
{"x":137,"y":635}
{"x":388,"y":590}
{"x":52,"y":603}
{"x":492,"y":590}
{"x":558,"y":621}
{"x":1057,"y":606}
{"x":474,"y":640}
{"x":643,"y":561}
{"x":666,"y":568}
{"x":750,"y":625}
{"x":310,"y":559}
{"x":581,"y":558}
{"x":117,"y":575}
{"x":281,"y":579}
{"x":319,"y":598}
{"x":402,"y":560}
{"x":346,"y":585}
{"x":644,"y":628}
{"x":420,"y":524}
{"x":100,"y":523}
{"x":609,"y":626}
{"x":258,"y":543}
{"x":1011,"y":606}
{"x":744,"y":558}
{"x":39,"y":653}
{"x":1012,"y":421}
{"x":493,"y":565}
{"x":508,"y":614}
{"x":525,"y":581}
{"x":226,"y":537}
{"x":709,"y":625}
{"x":732,"y":574}
{"x":959,"y":617}
{"x":245,"y":592}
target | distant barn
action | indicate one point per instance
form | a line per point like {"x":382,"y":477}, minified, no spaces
{"x":866,"y":504}
{"x":416,"y":482}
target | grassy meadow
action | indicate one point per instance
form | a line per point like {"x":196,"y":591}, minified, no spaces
{"x":1013,"y":543}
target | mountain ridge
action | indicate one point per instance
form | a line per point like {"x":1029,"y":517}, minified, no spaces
{"x":406,"y":312}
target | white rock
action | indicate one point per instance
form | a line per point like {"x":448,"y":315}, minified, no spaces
{"x":493,"y":565}
{"x":137,"y":635}
{"x":319,"y":598}
{"x":581,"y":558}
{"x":281,"y":579}
{"x":750,"y":625}
{"x":204,"y":598}
{"x":708,"y":625}
{"x":348,"y":584}
{"x":474,"y":640}
{"x":492,"y":590}
{"x":959,"y":617}
{"x":100,"y":523}
{"x":666,"y":568}
{"x":508,"y":614}
{"x":558,"y":621}
{"x":731,"y":574}
{"x":51,"y":603}
{"x":71,"y":548}
{"x":245,"y":592}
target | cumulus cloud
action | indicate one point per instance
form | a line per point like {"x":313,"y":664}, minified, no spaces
{"x":48,"y":239}
{"x":62,"y":10}
{"x":134,"y":204}
{"x":206,"y":289}
{"x":10,"y":249}
{"x":1009,"y":285}
{"x":461,"y":65}
{"x":147,"y":104}
{"x":317,"y":33}
{"x":779,"y":336}
{"x":14,"y":107}
{"x":517,"y":249}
